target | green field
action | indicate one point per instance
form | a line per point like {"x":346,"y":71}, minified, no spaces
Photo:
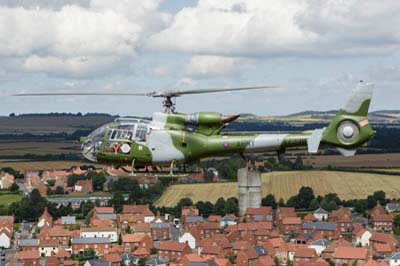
{"x":286,"y":184}
{"x":7,"y":199}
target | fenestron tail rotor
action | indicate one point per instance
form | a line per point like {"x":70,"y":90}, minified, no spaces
{"x":168,"y":103}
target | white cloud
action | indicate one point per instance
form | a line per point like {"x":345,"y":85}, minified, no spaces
{"x":209,"y":66}
{"x":283,"y":28}
{"x":56,"y":41}
{"x":160,"y":71}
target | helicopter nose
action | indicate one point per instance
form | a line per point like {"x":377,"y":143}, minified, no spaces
{"x":89,"y":150}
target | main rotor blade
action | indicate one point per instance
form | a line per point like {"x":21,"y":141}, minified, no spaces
{"x":199,"y":91}
{"x":171,"y":93}
{"x":84,"y":94}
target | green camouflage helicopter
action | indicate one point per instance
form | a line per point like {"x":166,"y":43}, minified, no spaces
{"x":171,"y":137}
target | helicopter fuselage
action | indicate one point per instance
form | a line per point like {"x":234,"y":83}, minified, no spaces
{"x":184,"y":138}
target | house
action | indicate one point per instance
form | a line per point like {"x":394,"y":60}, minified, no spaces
{"x":382,"y":238}
{"x":141,"y":253}
{"x":327,"y":229}
{"x":189,"y":211}
{"x":172,"y":251}
{"x":304,"y":255}
{"x":345,"y":224}
{"x":361,"y":236}
{"x":132,"y":242}
{"x":48,"y":247}
{"x":247,"y":257}
{"x":5,"y":237}
{"x":157,"y":262}
{"x":84,"y":186}
{"x":128,"y":259}
{"x":140,"y":210}
{"x":191,"y":237}
{"x":227,"y":221}
{"x":393,"y":207}
{"x":63,"y":255}
{"x":45,"y":219}
{"x":382,"y":222}
{"x":377,"y":210}
{"x":80,"y":245}
{"x":310,"y":218}
{"x":96,"y":262}
{"x":219,"y":241}
{"x":142,"y":228}
{"x":319,"y":245}
{"x":394,"y":259}
{"x":91,"y":232}
{"x":159,"y":230}
{"x":192,"y":221}
{"x":29,"y":257}
{"x":59,"y":233}
{"x":321,"y":214}
{"x":68,"y":220}
{"x":290,"y":225}
{"x":263,"y":213}
{"x":208,"y":229}
{"x":349,"y":255}
{"x":28,"y":245}
{"x":112,"y":258}
{"x":214,"y":218}
{"x":6,"y":180}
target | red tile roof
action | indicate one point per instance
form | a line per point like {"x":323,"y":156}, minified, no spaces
{"x":112,"y":257}
{"x":350,"y":253}
{"x":291,"y":221}
{"x":305,"y":253}
{"x":172,"y":246}
{"x":28,"y":255}
{"x":259,"y":211}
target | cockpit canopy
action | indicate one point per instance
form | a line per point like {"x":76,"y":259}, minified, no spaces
{"x":107,"y":137}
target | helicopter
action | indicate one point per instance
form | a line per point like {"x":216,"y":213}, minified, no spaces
{"x":171,"y":137}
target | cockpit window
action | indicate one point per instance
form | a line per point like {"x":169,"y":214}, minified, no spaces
{"x":141,"y":132}
{"x":122,"y":133}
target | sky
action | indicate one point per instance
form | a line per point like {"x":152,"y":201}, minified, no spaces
{"x":314,"y":51}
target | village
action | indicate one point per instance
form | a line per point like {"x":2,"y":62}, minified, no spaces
{"x":136,"y":235}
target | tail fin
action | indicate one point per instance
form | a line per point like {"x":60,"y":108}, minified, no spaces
{"x":350,"y":128}
{"x":358,"y":102}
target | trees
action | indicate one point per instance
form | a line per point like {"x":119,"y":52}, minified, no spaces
{"x":232,"y":206}
{"x":205,"y":208}
{"x":305,"y":196}
{"x":118,"y":201}
{"x":269,"y":200}
{"x":14,"y":187}
{"x":396,"y":224}
{"x":219,"y":207}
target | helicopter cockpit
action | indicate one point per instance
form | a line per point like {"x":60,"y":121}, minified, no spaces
{"x":115,"y":138}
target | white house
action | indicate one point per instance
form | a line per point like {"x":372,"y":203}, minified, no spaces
{"x":48,"y":247}
{"x":321,"y":214}
{"x":189,"y":238}
{"x":227,"y":221}
{"x":362,"y":237}
{"x":5,"y":239}
{"x":319,"y":245}
{"x":394,"y":260}
{"x":100,"y":232}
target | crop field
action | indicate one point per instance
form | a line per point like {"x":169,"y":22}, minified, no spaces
{"x":286,"y":184}
{"x":38,"y":148}
{"x":43,"y":165}
{"x":384,"y":160}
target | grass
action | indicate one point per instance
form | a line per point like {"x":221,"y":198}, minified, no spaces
{"x":7,"y":198}
{"x":286,"y":184}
